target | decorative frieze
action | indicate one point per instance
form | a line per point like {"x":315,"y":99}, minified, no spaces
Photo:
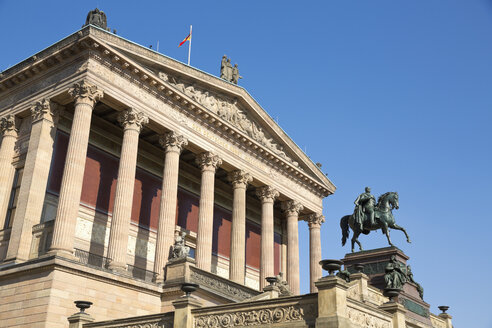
{"x":172,"y":141}
{"x":132,"y":119}
{"x":366,"y":320}
{"x":230,"y":111}
{"x":220,"y":286}
{"x":273,"y":315}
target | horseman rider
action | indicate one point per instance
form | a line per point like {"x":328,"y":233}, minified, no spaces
{"x":364,"y":204}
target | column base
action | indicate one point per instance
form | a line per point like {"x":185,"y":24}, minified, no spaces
{"x":62,"y":253}
{"x":117,"y":267}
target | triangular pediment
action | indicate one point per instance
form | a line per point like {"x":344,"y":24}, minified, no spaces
{"x":225,"y":102}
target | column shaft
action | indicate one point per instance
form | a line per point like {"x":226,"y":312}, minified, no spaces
{"x":120,"y":222}
{"x":267,"y":255}
{"x":173,"y":144}
{"x":7,"y":128}
{"x":292,"y":210}
{"x":73,"y":173}
{"x":34,"y":180}
{"x":237,"y":262}
{"x":314,"y":222}
{"x":208,"y":163}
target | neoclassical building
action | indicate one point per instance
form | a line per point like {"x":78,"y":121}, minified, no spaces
{"x":111,"y":153}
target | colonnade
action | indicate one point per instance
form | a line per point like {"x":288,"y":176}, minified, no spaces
{"x":132,"y":120}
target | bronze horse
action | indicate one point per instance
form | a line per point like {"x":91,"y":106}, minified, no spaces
{"x":383,"y":219}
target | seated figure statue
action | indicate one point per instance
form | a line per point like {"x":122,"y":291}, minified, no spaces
{"x":394,"y":277}
{"x":282,"y":285}
{"x":180,"y":250}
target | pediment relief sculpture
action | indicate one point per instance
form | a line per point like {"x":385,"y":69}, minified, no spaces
{"x":230,"y":111}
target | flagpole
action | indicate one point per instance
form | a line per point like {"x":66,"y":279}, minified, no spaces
{"x":189,"y":47}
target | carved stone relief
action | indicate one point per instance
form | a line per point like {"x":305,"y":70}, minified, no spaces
{"x":220,"y":286}
{"x":368,"y":320}
{"x":251,"y":318}
{"x":230,"y":111}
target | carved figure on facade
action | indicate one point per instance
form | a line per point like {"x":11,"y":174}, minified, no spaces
{"x":420,"y":289}
{"x":382,"y":216}
{"x":344,"y":274}
{"x":235,"y":74}
{"x":97,"y":18}
{"x":180,"y":250}
{"x":282,"y":285}
{"x":229,"y":111}
{"x":395,"y":276}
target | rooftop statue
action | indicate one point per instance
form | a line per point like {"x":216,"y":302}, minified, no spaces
{"x":369,"y":216}
{"x":420,"y":289}
{"x":394,"y":277}
{"x":97,"y":18}
{"x":227,"y":72}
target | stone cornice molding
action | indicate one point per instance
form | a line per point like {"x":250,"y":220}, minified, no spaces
{"x":239,"y":178}
{"x":173,"y":142}
{"x":84,"y":92}
{"x":44,"y":110}
{"x":132,"y":119}
{"x":315,"y":220}
{"x":292,"y":207}
{"x":267,"y":194}
{"x":7,"y":126}
{"x":208,"y":161}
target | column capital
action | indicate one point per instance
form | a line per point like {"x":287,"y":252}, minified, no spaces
{"x":85,"y":92}
{"x":44,"y":110}
{"x":132,"y":119}
{"x":7,"y":126}
{"x":315,"y":220}
{"x":267,"y":193}
{"x":239,"y":178}
{"x":173,"y":142}
{"x":208,"y":161}
{"x":292,"y":207}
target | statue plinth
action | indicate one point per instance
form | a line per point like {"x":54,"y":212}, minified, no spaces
{"x":375,"y":262}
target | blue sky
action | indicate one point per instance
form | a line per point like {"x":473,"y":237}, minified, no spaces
{"x":391,"y":94}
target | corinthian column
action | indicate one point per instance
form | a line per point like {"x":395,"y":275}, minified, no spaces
{"x":314,"y":222}
{"x":292,"y":209}
{"x":85,"y":95}
{"x":34,"y":179}
{"x":132,"y":121}
{"x":208,"y":163}
{"x":240,"y":180}
{"x":267,"y":196}
{"x":172,"y":144}
{"x":9,"y":137}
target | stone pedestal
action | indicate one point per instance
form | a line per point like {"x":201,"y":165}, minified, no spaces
{"x":182,"y":311}
{"x":398,"y":311}
{"x":78,"y":320}
{"x":178,"y":271}
{"x":446,"y":318}
{"x":332,"y":303}
{"x":375,"y":262}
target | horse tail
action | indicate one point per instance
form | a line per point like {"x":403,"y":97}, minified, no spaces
{"x":345,"y":228}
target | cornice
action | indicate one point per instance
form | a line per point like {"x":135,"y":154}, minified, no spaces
{"x":84,"y":40}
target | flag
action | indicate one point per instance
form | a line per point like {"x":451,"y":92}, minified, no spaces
{"x":188,"y":38}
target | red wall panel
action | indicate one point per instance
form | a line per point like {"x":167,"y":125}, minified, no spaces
{"x":146,"y":199}
{"x":221,"y":239}
{"x":253,"y":244}
{"x":187,"y":213}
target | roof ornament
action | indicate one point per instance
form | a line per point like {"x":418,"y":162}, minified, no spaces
{"x":97,"y":18}
{"x":227,"y":72}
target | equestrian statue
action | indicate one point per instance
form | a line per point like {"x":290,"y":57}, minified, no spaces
{"x":369,"y":215}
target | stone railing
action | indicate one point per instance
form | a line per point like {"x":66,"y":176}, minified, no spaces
{"x":367,"y":316}
{"x":41,"y":238}
{"x":299,"y":310}
{"x":221,"y":286}
{"x":437,"y":322}
{"x":161,"y":320}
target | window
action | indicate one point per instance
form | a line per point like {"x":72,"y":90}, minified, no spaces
{"x":14,"y":195}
